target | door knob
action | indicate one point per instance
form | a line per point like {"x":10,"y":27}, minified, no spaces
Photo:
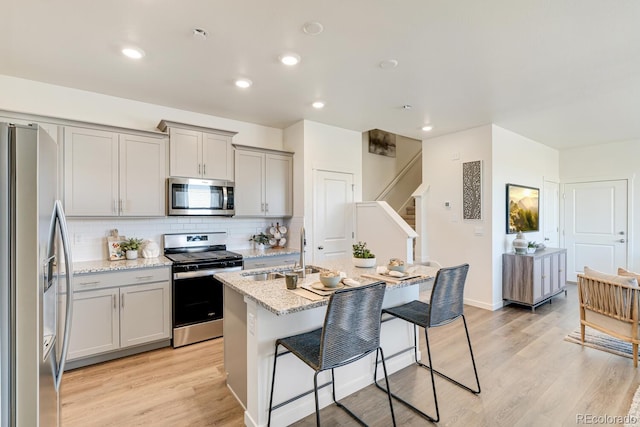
{"x":546,"y":239}
{"x":320,"y":247}
{"x":621,"y":240}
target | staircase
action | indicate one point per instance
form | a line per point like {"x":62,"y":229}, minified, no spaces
{"x":410,"y":214}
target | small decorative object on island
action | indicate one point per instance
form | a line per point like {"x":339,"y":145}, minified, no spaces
{"x":260,"y":240}
{"x":396,"y":264}
{"x":330,"y":279}
{"x":131,"y":246}
{"x":531,"y":247}
{"x":362,"y":257}
{"x":520,"y":243}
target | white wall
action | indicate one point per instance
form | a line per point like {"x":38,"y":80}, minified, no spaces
{"x":378,"y":171}
{"x":27,"y":96}
{"x":516,"y":160}
{"x":450,"y":240}
{"x":619,"y":160}
{"x":325,"y":148}
{"x":507,"y":158}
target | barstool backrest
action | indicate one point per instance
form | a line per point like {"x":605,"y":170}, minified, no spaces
{"x":352,"y":324}
{"x":447,"y":295}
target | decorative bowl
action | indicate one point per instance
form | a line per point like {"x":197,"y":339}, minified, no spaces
{"x":396,"y":265}
{"x":364,"y":262}
{"x":330,"y":281}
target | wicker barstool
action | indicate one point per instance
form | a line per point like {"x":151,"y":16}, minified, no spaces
{"x":445,"y":306}
{"x":351,"y":331}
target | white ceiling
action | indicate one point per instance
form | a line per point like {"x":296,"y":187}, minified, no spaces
{"x":564,"y":73}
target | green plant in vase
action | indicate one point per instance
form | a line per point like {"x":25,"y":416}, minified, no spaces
{"x":362,"y":256}
{"x":131,"y":247}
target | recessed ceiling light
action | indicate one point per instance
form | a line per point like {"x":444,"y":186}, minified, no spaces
{"x":388,"y":64}
{"x":313,"y":28}
{"x":318,"y":105}
{"x":290,"y":58}
{"x":427,"y":128}
{"x":243,"y":83}
{"x":133,"y":52}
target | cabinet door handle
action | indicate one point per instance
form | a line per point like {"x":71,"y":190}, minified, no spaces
{"x":115,"y":206}
{"x":261,"y":207}
{"x":122,"y":300}
{"x":204,"y":169}
{"x":114,"y":301}
{"x":266,"y":207}
{"x":121,"y":206}
{"x":621,"y":240}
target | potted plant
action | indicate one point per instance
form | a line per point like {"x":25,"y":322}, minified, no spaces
{"x":531,"y":247}
{"x":260,"y":240}
{"x":362,"y":256}
{"x":130,"y":247}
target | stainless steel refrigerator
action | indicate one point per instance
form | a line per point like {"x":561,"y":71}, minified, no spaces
{"x":34,"y":247}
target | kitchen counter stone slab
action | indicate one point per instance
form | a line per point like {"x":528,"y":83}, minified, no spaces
{"x":99,"y":266}
{"x":275,"y":297}
{"x":254,"y":253}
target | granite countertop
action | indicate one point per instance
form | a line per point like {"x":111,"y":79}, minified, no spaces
{"x":275,"y":297}
{"x":100,"y":266}
{"x":254,"y":253}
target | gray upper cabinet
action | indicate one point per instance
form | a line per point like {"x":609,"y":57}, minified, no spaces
{"x":264,"y":182}
{"x":197,"y":152}
{"x":113,"y":174}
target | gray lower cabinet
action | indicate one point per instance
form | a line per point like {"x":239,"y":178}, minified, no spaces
{"x":532,"y":279}
{"x":118,"y":311}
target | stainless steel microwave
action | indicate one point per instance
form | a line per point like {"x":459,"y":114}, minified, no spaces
{"x":188,"y":196}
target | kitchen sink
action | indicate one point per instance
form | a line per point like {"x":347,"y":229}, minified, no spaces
{"x":271,"y":275}
{"x":260,"y":277}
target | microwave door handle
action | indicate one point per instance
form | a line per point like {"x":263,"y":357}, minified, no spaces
{"x":64,"y":234}
{"x":225,"y":197}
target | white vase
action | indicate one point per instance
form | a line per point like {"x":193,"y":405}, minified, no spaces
{"x":132,"y":254}
{"x":364,"y":262}
{"x":520,"y":243}
{"x":260,"y":247}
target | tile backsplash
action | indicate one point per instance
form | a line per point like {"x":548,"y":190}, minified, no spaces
{"x":89,"y":236}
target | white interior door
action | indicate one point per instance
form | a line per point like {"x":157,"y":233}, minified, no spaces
{"x":551,"y":214}
{"x":595,"y":226}
{"x":333,"y":215}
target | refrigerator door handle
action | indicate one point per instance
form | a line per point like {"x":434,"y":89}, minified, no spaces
{"x":64,"y":234}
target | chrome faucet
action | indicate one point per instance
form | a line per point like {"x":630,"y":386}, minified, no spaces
{"x":303,"y":244}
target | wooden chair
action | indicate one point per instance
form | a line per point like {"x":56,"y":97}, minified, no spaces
{"x":611,"y":308}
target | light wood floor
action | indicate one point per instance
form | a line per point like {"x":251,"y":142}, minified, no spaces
{"x":529,"y":376}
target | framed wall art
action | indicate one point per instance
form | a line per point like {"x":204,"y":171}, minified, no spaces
{"x":523,"y":208}
{"x":382,"y":143}
{"x":472,"y":190}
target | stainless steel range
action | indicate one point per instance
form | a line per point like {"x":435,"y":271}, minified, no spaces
{"x":197,"y":295}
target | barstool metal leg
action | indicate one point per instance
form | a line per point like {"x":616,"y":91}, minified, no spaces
{"x":386,"y":379}
{"x":273,"y":383}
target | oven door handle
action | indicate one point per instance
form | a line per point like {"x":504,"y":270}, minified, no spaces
{"x":202,"y":273}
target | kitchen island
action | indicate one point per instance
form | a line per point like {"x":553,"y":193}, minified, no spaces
{"x":256,"y":313}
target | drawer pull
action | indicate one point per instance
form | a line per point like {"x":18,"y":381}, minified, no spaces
{"x":89,"y":283}
{"x":261,"y":265}
{"x":144,"y":277}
